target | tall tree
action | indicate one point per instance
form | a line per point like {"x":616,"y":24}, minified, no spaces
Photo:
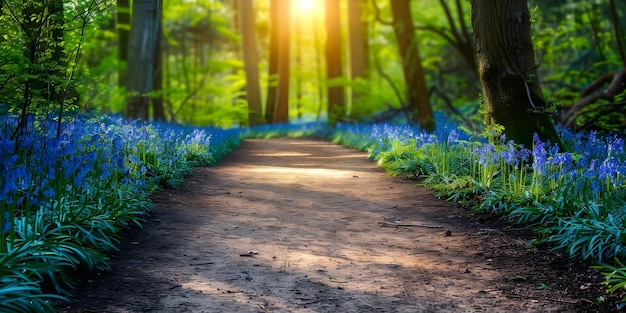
{"x":413,"y":71}
{"x":270,"y":101}
{"x":297,"y":27}
{"x":281,"y":106}
{"x":158,"y":105}
{"x":143,"y":38}
{"x":335,"y":95}
{"x":122,"y":23}
{"x":506,"y":61}
{"x":250,"y":61}
{"x":358,"y":44}
{"x":33,"y":84}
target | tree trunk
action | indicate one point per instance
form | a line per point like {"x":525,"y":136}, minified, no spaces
{"x":281,"y":108}
{"x":33,"y":84}
{"x":270,"y":101}
{"x":122,"y":14}
{"x":298,"y":65}
{"x":143,"y":37}
{"x":335,"y":95}
{"x":57,"y":82}
{"x":250,"y":61}
{"x":506,"y":60}
{"x":414,"y":76}
{"x":158,"y":108}
{"x":357,"y":37}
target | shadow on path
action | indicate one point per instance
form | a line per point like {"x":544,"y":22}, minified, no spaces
{"x":288,"y":225}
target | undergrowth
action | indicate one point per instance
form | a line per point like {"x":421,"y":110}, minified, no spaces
{"x":576,"y":198}
{"x":64,"y":200}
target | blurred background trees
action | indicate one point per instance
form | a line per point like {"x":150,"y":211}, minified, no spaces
{"x":194,"y":61}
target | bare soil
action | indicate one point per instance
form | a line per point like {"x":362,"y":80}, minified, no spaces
{"x":286,"y":225}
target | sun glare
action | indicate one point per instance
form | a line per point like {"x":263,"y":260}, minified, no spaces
{"x":306,"y":5}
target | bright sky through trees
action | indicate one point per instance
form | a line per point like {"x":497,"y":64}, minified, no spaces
{"x":306,"y":5}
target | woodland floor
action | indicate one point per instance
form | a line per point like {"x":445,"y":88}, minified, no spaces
{"x":286,"y":225}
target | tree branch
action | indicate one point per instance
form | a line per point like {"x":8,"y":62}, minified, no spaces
{"x":378,"y":17}
{"x":593,"y":93}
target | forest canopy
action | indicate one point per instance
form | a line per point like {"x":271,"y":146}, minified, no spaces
{"x":238,"y":63}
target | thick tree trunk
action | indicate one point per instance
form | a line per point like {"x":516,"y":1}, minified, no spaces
{"x":506,"y":60}
{"x":250,"y":61}
{"x":412,"y":64}
{"x":270,"y":100}
{"x":357,"y":37}
{"x":281,"y":107}
{"x":143,"y":37}
{"x":335,"y":95}
{"x":122,"y":15}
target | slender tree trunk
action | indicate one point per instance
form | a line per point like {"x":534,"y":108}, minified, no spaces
{"x":158,"y":108}
{"x":299,"y":68}
{"x":143,"y":38}
{"x":335,"y":95}
{"x":33,"y":85}
{"x":506,"y":61}
{"x":358,"y":42}
{"x":250,"y":61}
{"x":270,"y":101}
{"x":281,"y":108}
{"x":318,"y":68}
{"x":122,"y":14}
{"x":414,"y":76}
{"x":58,"y":86}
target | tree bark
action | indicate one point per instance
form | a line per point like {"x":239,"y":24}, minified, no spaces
{"x":506,"y":60}
{"x":250,"y":61}
{"x":143,"y":37}
{"x":122,"y":15}
{"x":413,"y":71}
{"x":33,"y":84}
{"x":158,"y":106}
{"x":270,"y":100}
{"x":358,"y":42}
{"x":281,"y":107}
{"x":335,"y":95}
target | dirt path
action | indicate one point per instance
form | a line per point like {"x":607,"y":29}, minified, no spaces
{"x":287,"y":225}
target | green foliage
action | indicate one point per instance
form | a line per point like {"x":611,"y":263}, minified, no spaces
{"x":593,"y":237}
{"x":575,"y":201}
{"x":39,"y":52}
{"x":75,"y":197}
{"x":615,"y":278}
{"x":404,"y":158}
{"x":576,"y":44}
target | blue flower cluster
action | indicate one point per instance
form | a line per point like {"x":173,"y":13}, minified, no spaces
{"x":566,"y":190}
{"x":592,"y":169}
{"x":40,"y":169}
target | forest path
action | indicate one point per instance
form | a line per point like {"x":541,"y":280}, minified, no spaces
{"x":298,"y":225}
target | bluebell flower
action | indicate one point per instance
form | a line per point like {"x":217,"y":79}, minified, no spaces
{"x":485,"y":154}
{"x":615,"y":146}
{"x":561,"y":159}
{"x":540,"y":155}
{"x":6,"y":226}
{"x":49,"y":192}
{"x":453,"y":137}
{"x":509,"y":154}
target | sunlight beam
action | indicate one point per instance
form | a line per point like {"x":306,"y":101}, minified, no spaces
{"x":305,"y":5}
